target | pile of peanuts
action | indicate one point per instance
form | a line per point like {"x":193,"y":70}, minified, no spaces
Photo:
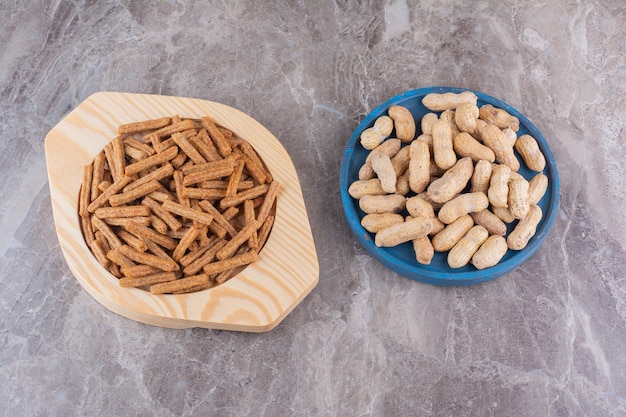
{"x":454,"y":187}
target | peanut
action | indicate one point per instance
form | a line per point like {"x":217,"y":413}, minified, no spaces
{"x":504,"y":214}
{"x":518,"y":197}
{"x":450,"y":117}
{"x":525,"y":229}
{"x":462,"y":205}
{"x":462,"y":252}
{"x":402,"y":185}
{"x":452,"y":182}
{"x":491,"y":222}
{"x":403,"y":232}
{"x":427,"y":122}
{"x":424,"y":250}
{"x":400,"y":161}
{"x":381,"y":164}
{"x":417,"y":206}
{"x":481,"y":177}
{"x":465,"y":117}
{"x":465,"y":145}
{"x":389,"y":147}
{"x":372,"y":137}
{"x":443,"y":150}
{"x":528,"y":148}
{"x":419,"y":166}
{"x":428,"y":139}
{"x":537,"y":187}
{"x":510,"y":135}
{"x":498,"y":192}
{"x":374,"y":222}
{"x":359,"y":188}
{"x":452,"y":233}
{"x":390,"y":203}
{"x":493,"y":137}
{"x":445,"y":101}
{"x":403,"y":121}
{"x":490,"y":252}
{"x":498,"y":117}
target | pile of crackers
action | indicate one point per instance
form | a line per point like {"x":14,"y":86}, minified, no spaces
{"x":176,"y":205}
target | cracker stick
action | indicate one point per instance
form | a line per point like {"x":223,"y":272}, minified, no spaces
{"x":235,"y":261}
{"x":178,"y":184}
{"x":135,"y":193}
{"x":99,"y":252}
{"x":224,"y":276}
{"x":210,"y":166}
{"x":159,"y":252}
{"x":268,"y":202}
{"x":146,"y":233}
{"x":179,"y":284}
{"x":85,"y":191}
{"x":179,"y":160}
{"x":147,"y":259}
{"x":188,"y":148}
{"x":256,"y":171}
{"x":108,"y":153}
{"x":217,"y":217}
{"x":187,"y":212}
{"x":118,"y":155}
{"x":203,"y":260}
{"x":197,"y":288}
{"x":98,"y":175}
{"x":158,"y":224}
{"x":169,"y":130}
{"x":161,"y":196}
{"x":222,"y":185}
{"x":230,"y":213}
{"x":204,"y":194}
{"x":156,"y":175}
{"x":123,"y":211}
{"x":169,"y":219}
{"x":248,"y":214}
{"x":116,"y":257}
{"x":234,"y":179}
{"x":203,"y":236}
{"x":202,"y":142}
{"x":106,"y":194}
{"x":213,"y":227}
{"x":137,"y":127}
{"x":217,"y":136}
{"x":196,"y":177}
{"x":184,"y":243}
{"x":249,"y":151}
{"x":107,"y":232}
{"x":87,"y":230}
{"x":231,"y":247}
{"x":144,"y":147}
{"x":139,"y":270}
{"x":264,"y":232}
{"x":130,"y":282}
{"x":192,"y":255}
{"x":134,"y":154}
{"x":150,"y":161}
{"x":120,"y":221}
{"x":239,"y":198}
{"x":104,"y":184}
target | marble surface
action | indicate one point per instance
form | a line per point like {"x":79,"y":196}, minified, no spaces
{"x":548,"y":339}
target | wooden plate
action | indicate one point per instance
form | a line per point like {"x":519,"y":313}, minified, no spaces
{"x":256,"y":299}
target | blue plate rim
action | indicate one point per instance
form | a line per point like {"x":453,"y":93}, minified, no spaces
{"x":416,"y":271}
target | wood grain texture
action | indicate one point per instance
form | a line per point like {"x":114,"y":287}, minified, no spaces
{"x":257,"y":298}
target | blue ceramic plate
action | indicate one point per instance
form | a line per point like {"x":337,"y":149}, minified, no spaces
{"x":401,"y":259}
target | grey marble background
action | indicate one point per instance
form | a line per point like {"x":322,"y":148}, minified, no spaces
{"x":548,"y":339}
